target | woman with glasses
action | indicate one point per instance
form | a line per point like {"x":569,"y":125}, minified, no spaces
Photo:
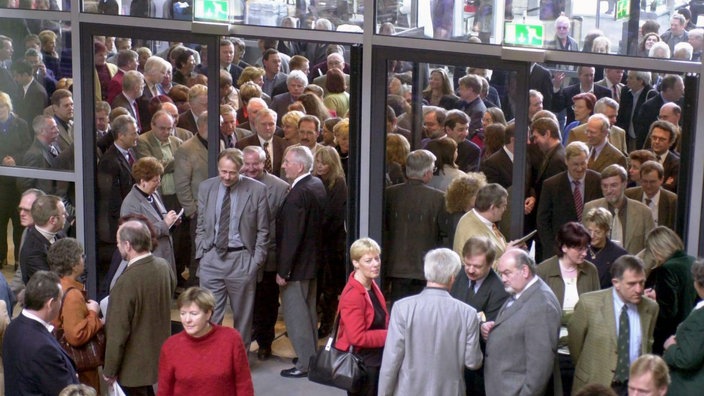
{"x":583,"y":107}
{"x":569,"y":275}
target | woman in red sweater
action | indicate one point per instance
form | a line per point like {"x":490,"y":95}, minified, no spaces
{"x":205,"y":358}
{"x":363,"y":315}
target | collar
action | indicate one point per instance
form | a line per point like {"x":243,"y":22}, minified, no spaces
{"x":581,"y":181}
{"x":203,"y":141}
{"x":655,"y":199}
{"x":45,"y":233}
{"x":29,"y":315}
{"x":591,"y":89}
{"x":508,"y":152}
{"x":299,"y":179}
{"x":135,"y":259}
{"x":530,"y":283}
{"x":699,"y":305}
{"x":262,"y":141}
{"x":483,"y":219}
{"x":618,"y":302}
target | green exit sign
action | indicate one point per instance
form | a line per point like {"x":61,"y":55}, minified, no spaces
{"x":213,"y":10}
{"x":524,"y":34}
{"x":622,"y":9}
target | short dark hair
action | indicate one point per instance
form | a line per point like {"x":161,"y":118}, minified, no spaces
{"x":624,"y":263}
{"x":454,"y":117}
{"x":42,"y":287}
{"x":63,"y":255}
{"x":268,"y":53}
{"x":571,"y":235}
{"x":666,"y":126}
{"x":491,"y":194}
{"x":44,"y":207}
{"x":546,"y":126}
{"x":477,"y":245}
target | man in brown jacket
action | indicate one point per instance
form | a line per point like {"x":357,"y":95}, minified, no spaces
{"x":138,"y":318}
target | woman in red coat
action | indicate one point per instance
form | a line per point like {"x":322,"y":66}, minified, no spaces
{"x":363,"y":315}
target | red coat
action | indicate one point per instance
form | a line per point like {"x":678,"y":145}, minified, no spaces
{"x":357,"y":315}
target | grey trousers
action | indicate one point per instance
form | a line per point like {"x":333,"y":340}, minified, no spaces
{"x":298,"y":300}
{"x":232,"y":276}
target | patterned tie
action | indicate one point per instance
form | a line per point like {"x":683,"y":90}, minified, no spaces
{"x":223,"y":239}
{"x":592,"y":158}
{"x":615,"y":92}
{"x":617,"y":229}
{"x":229,"y":142}
{"x":267,"y":160}
{"x":498,"y":233}
{"x":578,"y":200}
{"x":623,"y":347}
{"x":130,"y":159}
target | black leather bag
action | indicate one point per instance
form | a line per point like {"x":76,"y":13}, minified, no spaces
{"x":333,"y":367}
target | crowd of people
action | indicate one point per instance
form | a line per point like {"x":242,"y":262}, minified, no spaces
{"x":609,"y":282}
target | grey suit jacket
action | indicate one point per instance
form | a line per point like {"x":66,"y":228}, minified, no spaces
{"x":65,"y":139}
{"x":253,"y":210}
{"x":609,"y":155}
{"x":667,"y":205}
{"x":136,"y":202}
{"x":276,"y":193}
{"x":639,"y":222}
{"x":190,"y":169}
{"x":592,"y":336}
{"x":413,"y":364}
{"x":521,"y":351}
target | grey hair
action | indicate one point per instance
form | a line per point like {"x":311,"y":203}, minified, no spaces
{"x":255,"y":150}
{"x":297,"y":75}
{"x":441,"y":265}
{"x":603,"y":103}
{"x":418,"y":163}
{"x":303,"y":156}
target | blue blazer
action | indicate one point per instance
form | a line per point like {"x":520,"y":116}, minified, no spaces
{"x":34,"y":362}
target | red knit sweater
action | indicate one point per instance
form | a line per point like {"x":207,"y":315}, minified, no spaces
{"x":215,"y":364}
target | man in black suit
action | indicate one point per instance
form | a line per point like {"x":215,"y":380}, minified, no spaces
{"x":155,"y":68}
{"x":540,"y":80}
{"x":49,"y":216}
{"x":636,"y":92}
{"x":296,"y":83}
{"x":555,"y":207}
{"x":35,"y":363}
{"x":662,"y":134}
{"x":298,"y":249}
{"x":198,"y":102}
{"x":470,"y":88}
{"x":274,"y":146}
{"x":562,"y":99}
{"x":671,"y":90}
{"x":457,"y":128}
{"x":481,"y":288}
{"x":498,"y":168}
{"x":31,"y":97}
{"x":132,"y":89}
{"x":115,"y":176}
{"x":546,"y":136}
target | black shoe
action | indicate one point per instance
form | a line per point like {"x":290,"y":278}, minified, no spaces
{"x":264,"y":353}
{"x":294,"y":373}
{"x":294,"y":360}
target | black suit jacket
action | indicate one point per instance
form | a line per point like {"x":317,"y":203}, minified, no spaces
{"x":468,"y":155}
{"x":35,"y":363}
{"x":488,"y":299}
{"x":121,"y":101}
{"x":278,"y":147}
{"x":32,"y":103}
{"x":33,"y":253}
{"x":114,"y":183}
{"x":556,"y":205}
{"x":626,"y":112}
{"x":299,"y":238}
{"x":187,"y":121}
{"x":540,"y":79}
{"x":498,"y":168}
{"x":672,"y":171}
{"x":553,"y":163}
{"x":647,"y":114}
{"x":562,"y":100}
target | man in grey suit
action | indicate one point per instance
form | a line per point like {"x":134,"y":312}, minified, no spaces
{"x":662,"y":203}
{"x":479,"y":286}
{"x":266,"y":300}
{"x":232,"y":237}
{"x":521,"y":348}
{"x":432,"y":337}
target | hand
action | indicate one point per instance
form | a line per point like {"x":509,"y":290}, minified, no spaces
{"x":670,"y":341}
{"x":171,"y":218}
{"x":528,"y":205}
{"x":486,"y":329}
{"x":515,"y":244}
{"x":557,"y":80}
{"x":650,"y":293}
{"x":8,"y":161}
{"x":109,"y":380}
{"x":280,"y":281}
{"x":93,"y":305}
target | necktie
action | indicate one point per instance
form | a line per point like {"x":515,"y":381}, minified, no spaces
{"x":136,"y":116}
{"x":578,"y":200}
{"x":470,"y":292}
{"x":617,"y":229}
{"x":615,"y":92}
{"x":623,"y":347}
{"x":54,"y":152}
{"x":498,"y":233}
{"x":648,"y":201}
{"x":223,"y":238}
{"x":267,"y":160}
{"x":592,"y":158}
{"x":130,"y":159}
{"x":229,"y":142}
{"x":659,"y":158}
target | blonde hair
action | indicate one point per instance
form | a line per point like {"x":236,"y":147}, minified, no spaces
{"x":329,"y":156}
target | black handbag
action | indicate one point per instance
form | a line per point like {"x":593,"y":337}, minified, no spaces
{"x":333,"y":367}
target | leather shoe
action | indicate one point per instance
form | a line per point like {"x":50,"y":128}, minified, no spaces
{"x":264,"y":353}
{"x":294,"y":373}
